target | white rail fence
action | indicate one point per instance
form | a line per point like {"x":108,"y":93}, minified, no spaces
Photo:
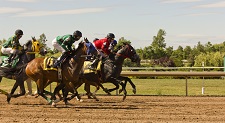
{"x":156,"y":72}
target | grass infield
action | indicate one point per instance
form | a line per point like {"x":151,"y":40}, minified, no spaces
{"x":161,"y":87}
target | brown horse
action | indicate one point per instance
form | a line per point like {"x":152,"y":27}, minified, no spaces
{"x":70,"y":69}
{"x":18,"y":73}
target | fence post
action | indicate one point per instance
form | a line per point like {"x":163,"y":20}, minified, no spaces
{"x":186,"y":86}
{"x":203,"y":83}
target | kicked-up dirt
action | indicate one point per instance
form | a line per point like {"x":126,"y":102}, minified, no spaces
{"x":140,"y":109}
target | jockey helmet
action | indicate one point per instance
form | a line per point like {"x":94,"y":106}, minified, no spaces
{"x":110,"y":35}
{"x":18,"y":32}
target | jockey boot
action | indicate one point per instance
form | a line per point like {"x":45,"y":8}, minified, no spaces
{"x":60,"y":59}
{"x":9,"y":60}
{"x":94,"y":64}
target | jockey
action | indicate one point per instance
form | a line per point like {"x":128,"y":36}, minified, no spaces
{"x":102,"y":46}
{"x":90,"y":50}
{"x":12,"y":46}
{"x":64,"y":45}
{"x":112,"y":45}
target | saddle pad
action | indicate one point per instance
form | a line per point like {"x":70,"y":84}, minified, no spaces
{"x":48,"y":63}
{"x":86,"y":67}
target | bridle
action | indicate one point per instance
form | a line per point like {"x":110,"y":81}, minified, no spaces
{"x":36,"y":46}
{"x":128,"y":51}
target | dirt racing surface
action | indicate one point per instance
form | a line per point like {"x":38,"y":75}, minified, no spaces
{"x":141,"y":109}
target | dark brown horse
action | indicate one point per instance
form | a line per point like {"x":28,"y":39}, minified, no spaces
{"x":70,"y":69}
{"x":110,"y":71}
{"x":31,"y":47}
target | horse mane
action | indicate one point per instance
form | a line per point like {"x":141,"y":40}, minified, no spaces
{"x":80,"y":45}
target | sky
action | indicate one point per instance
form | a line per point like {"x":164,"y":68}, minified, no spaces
{"x":186,"y":22}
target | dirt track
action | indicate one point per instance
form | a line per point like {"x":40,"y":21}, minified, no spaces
{"x":112,"y":109}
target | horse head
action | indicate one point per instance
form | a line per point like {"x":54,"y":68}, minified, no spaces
{"x":34,"y":46}
{"x":80,"y":51}
{"x":127,"y":51}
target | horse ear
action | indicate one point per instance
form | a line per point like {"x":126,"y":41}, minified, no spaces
{"x":33,"y":38}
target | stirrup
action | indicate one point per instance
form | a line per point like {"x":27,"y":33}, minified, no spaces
{"x":56,"y":64}
{"x":92,"y":68}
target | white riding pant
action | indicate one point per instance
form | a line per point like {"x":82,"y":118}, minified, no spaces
{"x":57,"y":46}
{"x":6,"y":50}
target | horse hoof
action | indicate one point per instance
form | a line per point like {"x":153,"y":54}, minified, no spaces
{"x":8,"y":98}
{"x":120,"y":90}
{"x":124,"y":97}
{"x":53,"y":104}
{"x":89,"y":97}
{"x":79,"y":99}
{"x":67,"y":103}
{"x":134,"y":91}
{"x":57,"y":100}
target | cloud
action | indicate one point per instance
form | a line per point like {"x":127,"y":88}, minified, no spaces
{"x":60,"y":12}
{"x":25,"y":1}
{"x":190,"y":35}
{"x":212,"y":5}
{"x":202,"y":14}
{"x":5,"y":10}
{"x":179,"y":1}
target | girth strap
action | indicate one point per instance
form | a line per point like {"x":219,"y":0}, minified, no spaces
{"x":60,"y":74}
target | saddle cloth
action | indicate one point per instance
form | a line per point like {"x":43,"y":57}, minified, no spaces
{"x":87,"y":64}
{"x":49,"y":62}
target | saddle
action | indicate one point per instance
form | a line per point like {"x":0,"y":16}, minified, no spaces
{"x":49,"y":62}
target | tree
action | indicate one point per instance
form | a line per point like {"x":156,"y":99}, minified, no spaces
{"x":169,"y":51}
{"x":121,"y":41}
{"x":159,"y":45}
{"x":177,"y":56}
{"x":209,"y":47}
{"x":43,"y":41}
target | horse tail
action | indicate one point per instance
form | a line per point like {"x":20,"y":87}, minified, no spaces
{"x":10,"y":73}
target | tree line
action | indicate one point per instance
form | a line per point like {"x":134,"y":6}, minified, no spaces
{"x":211,"y":55}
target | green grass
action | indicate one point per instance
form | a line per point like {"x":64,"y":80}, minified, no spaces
{"x":213,"y":87}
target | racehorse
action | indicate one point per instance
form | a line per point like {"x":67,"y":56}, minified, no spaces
{"x":30,"y":48}
{"x":69,"y":69}
{"x":110,"y":71}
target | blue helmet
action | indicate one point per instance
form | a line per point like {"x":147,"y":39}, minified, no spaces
{"x":114,"y":43}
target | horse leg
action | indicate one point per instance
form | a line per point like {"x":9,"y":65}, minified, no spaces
{"x":40,"y":90}
{"x":124,"y":90}
{"x":94,"y":93}
{"x":113,"y":81}
{"x":117,"y":82}
{"x":98,"y":84}
{"x":19,"y":82}
{"x":65,"y":94}
{"x":56,"y":91}
{"x":126,"y":79}
{"x":87,"y":88}
{"x":0,"y":78}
